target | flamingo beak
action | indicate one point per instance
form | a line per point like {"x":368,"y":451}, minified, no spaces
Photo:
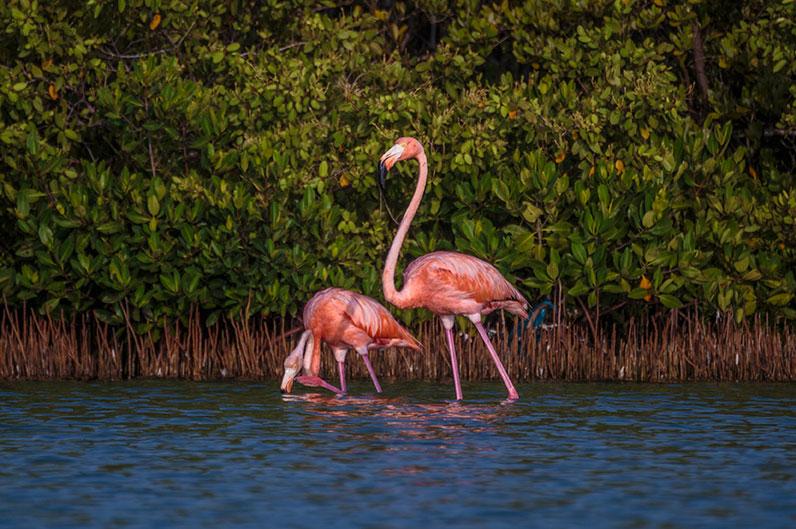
{"x":386,"y":162}
{"x":389,"y":158}
{"x":287,"y":380}
{"x":382,"y":173}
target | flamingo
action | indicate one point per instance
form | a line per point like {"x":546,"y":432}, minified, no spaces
{"x":344,"y":320}
{"x":446,"y":283}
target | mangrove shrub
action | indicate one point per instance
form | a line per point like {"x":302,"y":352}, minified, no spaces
{"x":165,"y":154}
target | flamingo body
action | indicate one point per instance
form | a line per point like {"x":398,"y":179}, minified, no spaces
{"x":446,"y":283}
{"x":347,"y":320}
{"x":449,"y":283}
{"x":344,"y":320}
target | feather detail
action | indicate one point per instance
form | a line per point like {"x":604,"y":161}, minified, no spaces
{"x":457,"y":283}
{"x":346,"y":318}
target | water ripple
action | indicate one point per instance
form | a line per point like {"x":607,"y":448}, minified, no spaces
{"x":177,"y":454}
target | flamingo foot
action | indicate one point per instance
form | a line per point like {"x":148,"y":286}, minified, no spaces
{"x":513,"y":395}
{"x":341,"y":369}
{"x":457,"y":383}
{"x":317,"y":382}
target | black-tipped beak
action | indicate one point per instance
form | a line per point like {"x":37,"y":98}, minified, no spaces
{"x":382,"y":173}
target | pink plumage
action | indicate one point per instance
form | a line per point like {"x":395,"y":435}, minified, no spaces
{"x":344,"y":320}
{"x":457,"y":283}
{"x":446,"y":283}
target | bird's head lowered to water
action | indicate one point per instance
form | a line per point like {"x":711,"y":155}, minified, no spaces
{"x":292,"y":368}
{"x":293,"y":364}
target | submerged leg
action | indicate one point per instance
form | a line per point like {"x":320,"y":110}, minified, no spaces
{"x":448,"y":322}
{"x":339,"y":355}
{"x":341,"y":369}
{"x":513,"y":395}
{"x":316,"y":381}
{"x":365,"y":358}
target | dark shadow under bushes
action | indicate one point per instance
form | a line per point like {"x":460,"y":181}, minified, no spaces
{"x":678,"y":346}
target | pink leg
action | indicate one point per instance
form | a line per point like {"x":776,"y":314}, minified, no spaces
{"x":315,"y":381}
{"x":454,"y":364}
{"x":375,"y":380}
{"x":341,"y":369}
{"x":513,"y":395}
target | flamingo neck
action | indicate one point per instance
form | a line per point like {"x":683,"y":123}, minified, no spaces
{"x":400,"y":299}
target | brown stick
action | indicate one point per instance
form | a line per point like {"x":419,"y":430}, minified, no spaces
{"x":699,"y":61}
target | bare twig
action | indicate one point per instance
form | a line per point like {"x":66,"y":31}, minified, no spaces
{"x":699,"y":61}
{"x":587,"y":314}
{"x":294,"y":45}
{"x":134,"y":56}
{"x":779,"y":132}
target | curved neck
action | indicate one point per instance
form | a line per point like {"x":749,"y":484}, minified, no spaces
{"x":388,"y":276}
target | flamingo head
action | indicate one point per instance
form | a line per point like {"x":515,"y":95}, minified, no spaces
{"x":403,"y":149}
{"x":292,"y":368}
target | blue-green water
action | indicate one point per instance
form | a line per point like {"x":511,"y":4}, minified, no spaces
{"x":174,"y":454}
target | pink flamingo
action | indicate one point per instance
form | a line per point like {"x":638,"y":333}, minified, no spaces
{"x":446,"y":283}
{"x":344,"y":320}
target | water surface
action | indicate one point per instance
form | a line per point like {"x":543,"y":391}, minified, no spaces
{"x":179,"y":454}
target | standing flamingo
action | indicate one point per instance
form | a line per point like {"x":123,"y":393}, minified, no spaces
{"x":446,"y":283}
{"x":344,"y":320}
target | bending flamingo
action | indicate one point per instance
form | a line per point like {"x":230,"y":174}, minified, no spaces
{"x":446,"y":283}
{"x":344,"y":320}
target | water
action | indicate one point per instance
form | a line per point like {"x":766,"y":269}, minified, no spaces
{"x":177,"y":454}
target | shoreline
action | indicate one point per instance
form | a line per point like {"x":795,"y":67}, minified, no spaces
{"x":677,"y":346}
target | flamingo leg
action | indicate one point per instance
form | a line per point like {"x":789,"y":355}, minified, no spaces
{"x":316,"y":381}
{"x":341,"y":369}
{"x":366,"y":359}
{"x":457,"y":383}
{"x":513,"y":395}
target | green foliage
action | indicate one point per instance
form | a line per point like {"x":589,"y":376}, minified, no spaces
{"x":174,"y":153}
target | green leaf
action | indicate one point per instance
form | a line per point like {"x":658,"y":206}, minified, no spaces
{"x":23,"y":203}
{"x":603,"y":195}
{"x":531,"y":213}
{"x":739,"y":314}
{"x":171,"y":282}
{"x":501,"y":190}
{"x":579,"y":289}
{"x":46,"y":235}
{"x":780,"y":299}
{"x":579,"y":252}
{"x":153,"y":205}
{"x":137,"y":218}
{"x":649,"y":219}
{"x":65,"y":249}
{"x":669,"y":301}
{"x":190,"y":280}
{"x":552,"y":270}
{"x":32,"y":142}
{"x":742,"y":264}
{"x":638,"y":293}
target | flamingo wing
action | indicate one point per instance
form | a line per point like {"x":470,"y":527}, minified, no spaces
{"x":457,"y":283}
{"x":379,"y":324}
{"x":360,"y":315}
